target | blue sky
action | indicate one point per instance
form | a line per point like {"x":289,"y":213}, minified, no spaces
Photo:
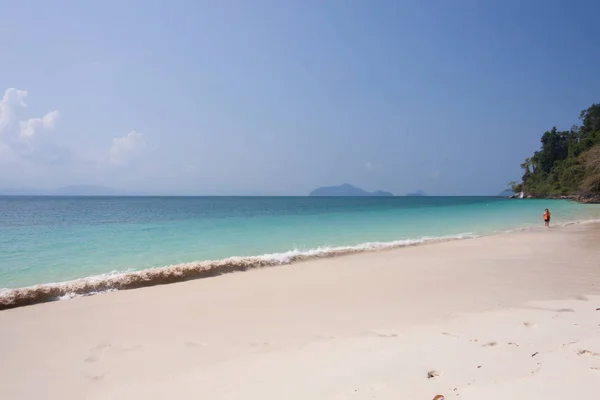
{"x":273,"y":97}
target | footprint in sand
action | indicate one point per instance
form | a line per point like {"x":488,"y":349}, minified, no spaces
{"x":530,"y":324}
{"x":97,"y":377}
{"x":490,"y":344}
{"x":449,"y":334}
{"x":104,"y":348}
{"x":570,"y":343}
{"x":100,"y":347}
{"x":95,"y":350}
{"x":94,"y":378}
{"x":588,"y":353}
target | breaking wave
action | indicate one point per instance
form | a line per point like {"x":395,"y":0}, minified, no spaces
{"x":10,"y":298}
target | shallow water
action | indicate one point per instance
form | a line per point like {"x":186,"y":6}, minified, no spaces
{"x":56,"y":239}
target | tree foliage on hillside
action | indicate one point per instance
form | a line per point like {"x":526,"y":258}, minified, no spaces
{"x":568,"y":162}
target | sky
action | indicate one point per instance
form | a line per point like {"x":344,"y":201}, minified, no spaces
{"x":278,"y":98}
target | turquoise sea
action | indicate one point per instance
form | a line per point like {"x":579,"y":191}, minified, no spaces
{"x":57,"y":239}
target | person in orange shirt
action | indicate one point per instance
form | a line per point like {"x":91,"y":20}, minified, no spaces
{"x":547,"y":218}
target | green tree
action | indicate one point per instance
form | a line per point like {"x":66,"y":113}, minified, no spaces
{"x":515,"y":187}
{"x":568,"y":162}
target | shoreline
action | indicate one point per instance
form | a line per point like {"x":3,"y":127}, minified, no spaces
{"x":171,"y":274}
{"x":496,"y":317}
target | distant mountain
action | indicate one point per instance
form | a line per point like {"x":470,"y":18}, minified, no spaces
{"x":417,"y":193}
{"x":347,"y":190}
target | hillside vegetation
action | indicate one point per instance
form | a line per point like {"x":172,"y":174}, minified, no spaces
{"x":568,"y":163}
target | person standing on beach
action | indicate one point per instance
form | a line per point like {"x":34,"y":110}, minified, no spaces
{"x":547,"y":218}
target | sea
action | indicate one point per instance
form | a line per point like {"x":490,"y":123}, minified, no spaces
{"x":68,"y":246}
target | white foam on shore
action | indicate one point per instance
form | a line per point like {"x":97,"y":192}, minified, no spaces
{"x":113,"y":281}
{"x":122,"y":280}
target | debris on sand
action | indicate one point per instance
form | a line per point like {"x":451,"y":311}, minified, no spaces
{"x":432,"y":374}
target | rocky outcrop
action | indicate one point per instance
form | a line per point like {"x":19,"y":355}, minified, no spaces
{"x":588,"y":198}
{"x":581,"y":198}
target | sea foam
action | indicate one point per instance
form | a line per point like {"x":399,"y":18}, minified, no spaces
{"x":10,"y":298}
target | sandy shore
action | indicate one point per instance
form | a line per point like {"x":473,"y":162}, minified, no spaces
{"x":514,"y":316}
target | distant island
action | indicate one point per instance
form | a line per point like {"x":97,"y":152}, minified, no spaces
{"x":347,"y":190}
{"x":417,"y":193}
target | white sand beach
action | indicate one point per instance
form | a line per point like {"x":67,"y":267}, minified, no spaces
{"x":513,"y":316}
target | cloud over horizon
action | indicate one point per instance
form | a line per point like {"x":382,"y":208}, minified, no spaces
{"x":48,"y":121}
{"x":125,"y":148}
{"x":27,"y":142}
{"x":24,"y":140}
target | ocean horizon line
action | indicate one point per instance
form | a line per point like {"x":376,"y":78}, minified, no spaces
{"x":248,"y":195}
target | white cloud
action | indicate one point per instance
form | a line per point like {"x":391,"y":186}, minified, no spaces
{"x":435,"y":174}
{"x":12,"y":100}
{"x":125,"y":148}
{"x":29,"y":146}
{"x":19,"y":139}
{"x":30,"y":126}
